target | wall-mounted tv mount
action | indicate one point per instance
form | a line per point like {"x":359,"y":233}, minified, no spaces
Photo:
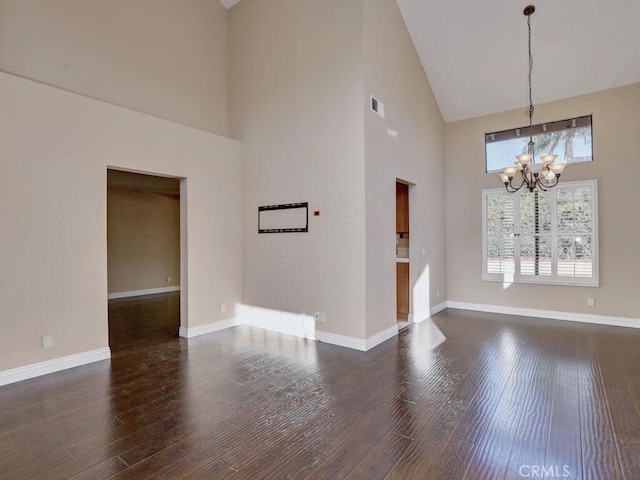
{"x":285,"y":218}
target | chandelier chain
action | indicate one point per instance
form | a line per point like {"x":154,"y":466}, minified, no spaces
{"x":534,"y":176}
{"x":530,"y":111}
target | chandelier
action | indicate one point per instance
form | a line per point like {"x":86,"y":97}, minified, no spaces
{"x":527,"y":172}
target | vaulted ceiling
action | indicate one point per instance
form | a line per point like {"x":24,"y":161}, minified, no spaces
{"x":475,"y":53}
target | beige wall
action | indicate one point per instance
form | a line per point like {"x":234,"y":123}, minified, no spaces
{"x":296,"y":89}
{"x":143,"y":240}
{"x":163,"y":57}
{"x":300,"y":76}
{"x":55,"y":148}
{"x":407,"y":144}
{"x":615,"y":130}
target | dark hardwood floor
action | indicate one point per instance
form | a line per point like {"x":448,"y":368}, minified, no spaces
{"x":465,"y":395}
{"x":144,"y":320}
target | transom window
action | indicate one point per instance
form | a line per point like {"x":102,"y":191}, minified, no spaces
{"x":542,"y":237}
{"x":570,"y":139}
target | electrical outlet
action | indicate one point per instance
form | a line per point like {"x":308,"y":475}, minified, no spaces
{"x":438,"y":294}
{"x":168,"y":279}
{"x":223,"y":307}
{"x":323,"y":317}
{"x":316,"y":316}
{"x":591,"y":302}
{"x":47,"y":342}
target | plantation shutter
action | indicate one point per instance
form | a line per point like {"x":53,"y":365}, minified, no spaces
{"x":500,"y":229}
{"x":576,"y":231}
{"x":535,"y":233}
{"x":542,"y":237}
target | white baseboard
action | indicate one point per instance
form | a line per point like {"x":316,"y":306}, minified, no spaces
{"x":148,"y":291}
{"x":296,"y":324}
{"x":438,"y":308}
{"x":357,"y":343}
{"x":292,"y":328}
{"x":342,"y":341}
{"x":550,"y":314}
{"x":381,"y":337}
{"x":50,"y":366}
{"x":422,"y":316}
{"x":208,"y":328}
{"x":288,"y":323}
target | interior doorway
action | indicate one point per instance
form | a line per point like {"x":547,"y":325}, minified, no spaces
{"x":143,"y":258}
{"x":402,"y":254}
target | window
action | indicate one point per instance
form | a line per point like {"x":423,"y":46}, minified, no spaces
{"x":570,"y":139}
{"x":542,"y":237}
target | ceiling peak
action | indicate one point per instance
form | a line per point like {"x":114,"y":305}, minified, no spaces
{"x":228,"y":3}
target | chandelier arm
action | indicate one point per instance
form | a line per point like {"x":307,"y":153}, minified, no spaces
{"x":509,"y":188}
{"x":545,"y":187}
{"x":508,"y":185}
{"x":541,"y":186}
{"x":525,"y":177}
{"x":515,"y":189}
{"x":557,"y":180}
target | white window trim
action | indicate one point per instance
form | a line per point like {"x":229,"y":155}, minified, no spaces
{"x":545,"y":280}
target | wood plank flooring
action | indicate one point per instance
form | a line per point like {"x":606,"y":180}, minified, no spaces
{"x":143,"y":320}
{"x":464,"y":395}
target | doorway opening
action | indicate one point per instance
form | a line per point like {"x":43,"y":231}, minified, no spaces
{"x":143,"y":258}
{"x":402,"y":254}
